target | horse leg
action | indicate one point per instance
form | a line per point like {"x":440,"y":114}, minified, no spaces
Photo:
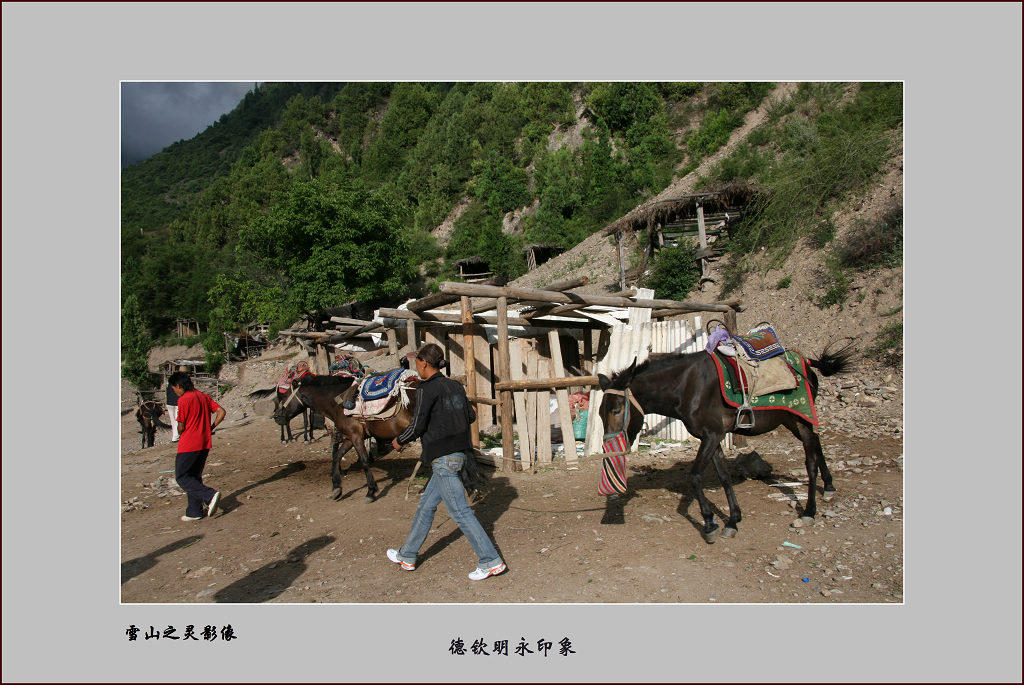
{"x":734,"y":508}
{"x":813,"y":459}
{"x":364,"y":459}
{"x":707,"y":449}
{"x":339,"y":446}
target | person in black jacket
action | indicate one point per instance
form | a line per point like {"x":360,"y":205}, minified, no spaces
{"x":442,"y":419}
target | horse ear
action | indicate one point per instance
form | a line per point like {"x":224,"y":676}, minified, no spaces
{"x":628,"y":373}
{"x":603,"y":381}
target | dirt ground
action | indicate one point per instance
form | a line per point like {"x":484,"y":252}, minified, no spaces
{"x":279,"y":539}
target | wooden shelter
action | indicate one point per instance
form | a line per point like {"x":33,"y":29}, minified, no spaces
{"x":698,"y":215}
{"x":540,"y":253}
{"x":186,"y":328}
{"x":473,"y":269}
{"x":521,"y":352}
{"x":511,"y":348}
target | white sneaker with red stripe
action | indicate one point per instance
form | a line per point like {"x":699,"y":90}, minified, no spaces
{"x":481,"y":573}
{"x":393,"y":556}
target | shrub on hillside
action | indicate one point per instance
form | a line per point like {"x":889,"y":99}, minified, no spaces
{"x":674,"y":272}
{"x":874,"y":243}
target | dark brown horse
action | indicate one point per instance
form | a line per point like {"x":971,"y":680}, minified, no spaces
{"x":352,"y":431}
{"x":148,"y":415}
{"x":686,"y":387}
{"x":287,"y":406}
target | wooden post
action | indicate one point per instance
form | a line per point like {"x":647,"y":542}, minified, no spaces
{"x":470,"y":363}
{"x":531,"y":398}
{"x":516,"y":352}
{"x":413,"y":338}
{"x":507,"y":445}
{"x":703,"y":237}
{"x":564,"y":414}
{"x":321,"y":364}
{"x":392,"y":341}
{"x":543,"y":414}
{"x":622,"y":268}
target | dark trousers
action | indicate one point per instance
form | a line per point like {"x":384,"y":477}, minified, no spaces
{"x":188,"y":471}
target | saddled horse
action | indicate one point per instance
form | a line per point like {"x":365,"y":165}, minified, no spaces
{"x":686,"y":387}
{"x":287,"y":405}
{"x":352,"y":431}
{"x":148,"y":415}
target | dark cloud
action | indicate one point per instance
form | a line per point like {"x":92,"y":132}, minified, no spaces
{"x":154,"y":115}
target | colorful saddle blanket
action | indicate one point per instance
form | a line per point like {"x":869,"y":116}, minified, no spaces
{"x":385,"y":385}
{"x":346,"y":366}
{"x":799,"y":400}
{"x":382,"y":404}
{"x":760,"y":343}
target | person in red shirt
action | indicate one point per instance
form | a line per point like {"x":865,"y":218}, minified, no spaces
{"x":195,"y":439}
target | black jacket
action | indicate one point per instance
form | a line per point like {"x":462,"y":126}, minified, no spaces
{"x":442,"y":418}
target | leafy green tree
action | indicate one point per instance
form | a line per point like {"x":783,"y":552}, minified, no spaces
{"x":327,"y":244}
{"x":135,"y":344}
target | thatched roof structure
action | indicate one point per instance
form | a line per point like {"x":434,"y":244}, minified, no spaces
{"x":727,"y":197}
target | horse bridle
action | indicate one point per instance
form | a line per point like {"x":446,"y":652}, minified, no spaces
{"x":296,"y":396}
{"x":629,"y":398}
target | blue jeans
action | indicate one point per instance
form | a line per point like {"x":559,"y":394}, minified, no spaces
{"x":445,"y":485}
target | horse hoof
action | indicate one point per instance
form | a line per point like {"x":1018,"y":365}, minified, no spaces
{"x":335,"y":494}
{"x":371,"y":498}
{"x":729,"y":532}
{"x":807,"y":520}
{"x":712,"y":535}
{"x":828,"y":495}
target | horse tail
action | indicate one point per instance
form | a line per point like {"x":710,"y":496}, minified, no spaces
{"x":831,"y":363}
{"x":472,"y":477}
{"x":261,"y":393}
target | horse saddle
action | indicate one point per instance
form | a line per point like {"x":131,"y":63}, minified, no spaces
{"x":760,"y":378}
{"x":760,"y":342}
{"x":380,"y":404}
{"x":384,"y":385}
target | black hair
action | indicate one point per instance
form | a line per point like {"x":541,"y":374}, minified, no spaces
{"x":182,"y":380}
{"x":432,"y":354}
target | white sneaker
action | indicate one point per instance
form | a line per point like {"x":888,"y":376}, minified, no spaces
{"x":481,"y":573}
{"x":186,"y":517}
{"x":393,"y":556}
{"x":213,"y":504}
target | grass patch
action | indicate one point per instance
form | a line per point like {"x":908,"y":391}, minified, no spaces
{"x":783,"y":283}
{"x":837,"y":285}
{"x":877,"y":243}
{"x":813,"y":152}
{"x":888,"y":345}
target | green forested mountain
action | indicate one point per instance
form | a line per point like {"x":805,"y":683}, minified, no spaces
{"x":315,"y":194}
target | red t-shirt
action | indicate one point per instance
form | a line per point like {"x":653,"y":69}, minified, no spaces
{"x":194,"y":410}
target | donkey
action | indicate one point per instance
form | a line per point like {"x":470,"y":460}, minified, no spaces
{"x":686,"y":387}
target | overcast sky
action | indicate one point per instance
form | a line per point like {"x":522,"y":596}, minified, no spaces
{"x":154,"y":115}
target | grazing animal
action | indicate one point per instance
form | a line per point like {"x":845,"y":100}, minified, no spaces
{"x":148,"y":415}
{"x":351,"y":431}
{"x":686,"y":387}
{"x":287,"y":405}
